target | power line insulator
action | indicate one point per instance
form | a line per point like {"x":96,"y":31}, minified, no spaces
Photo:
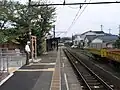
{"x":80,"y":6}
{"x":64,"y":2}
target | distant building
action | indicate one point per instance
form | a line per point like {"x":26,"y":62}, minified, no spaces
{"x":88,"y":40}
{"x":92,"y":33}
{"x":85,"y":38}
{"x":76,"y":39}
{"x":104,"y":41}
{"x":94,"y":39}
{"x":10,"y":47}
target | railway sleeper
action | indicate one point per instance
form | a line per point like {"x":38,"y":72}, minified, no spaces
{"x":98,"y":88}
{"x":92,"y":82}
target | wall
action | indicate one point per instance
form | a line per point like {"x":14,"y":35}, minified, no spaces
{"x":109,"y":45}
{"x":86,"y":42}
{"x":97,"y":41}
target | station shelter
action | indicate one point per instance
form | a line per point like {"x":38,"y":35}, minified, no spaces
{"x":52,"y":43}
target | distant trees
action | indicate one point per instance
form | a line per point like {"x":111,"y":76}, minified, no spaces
{"x":14,"y":22}
{"x":63,"y":39}
{"x":117,"y":43}
{"x":66,"y":40}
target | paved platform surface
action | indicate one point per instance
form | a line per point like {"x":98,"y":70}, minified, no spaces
{"x":36,"y":76}
{"x":3,"y":75}
{"x":52,"y":72}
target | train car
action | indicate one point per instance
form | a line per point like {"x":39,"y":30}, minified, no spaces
{"x":112,"y":54}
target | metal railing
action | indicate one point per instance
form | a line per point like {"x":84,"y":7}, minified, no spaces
{"x":9,"y":62}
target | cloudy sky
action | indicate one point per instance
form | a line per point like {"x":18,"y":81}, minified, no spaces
{"x":90,"y":19}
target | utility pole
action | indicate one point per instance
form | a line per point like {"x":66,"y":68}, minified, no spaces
{"x":101,"y":27}
{"x":29,"y":22}
{"x":119,"y":30}
{"x":54,"y":34}
{"x":109,"y":30}
{"x":72,"y":38}
{"x":54,"y":31}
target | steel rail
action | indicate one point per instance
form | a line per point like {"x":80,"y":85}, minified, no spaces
{"x":78,"y":72}
{"x":97,"y":77}
{"x":102,"y":81}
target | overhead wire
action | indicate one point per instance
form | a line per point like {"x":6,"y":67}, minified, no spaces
{"x":75,"y":19}
{"x":58,"y":4}
{"x":82,"y":12}
{"x":72,"y":21}
{"x":69,"y":6}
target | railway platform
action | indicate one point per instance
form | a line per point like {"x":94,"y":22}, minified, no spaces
{"x":52,"y":72}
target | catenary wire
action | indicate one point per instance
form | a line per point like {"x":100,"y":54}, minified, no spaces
{"x":73,"y":23}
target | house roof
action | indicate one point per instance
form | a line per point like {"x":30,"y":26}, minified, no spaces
{"x":97,"y":32}
{"x":75,"y":36}
{"x":108,"y":38}
{"x":90,"y":37}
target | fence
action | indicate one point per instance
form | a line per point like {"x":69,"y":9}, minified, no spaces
{"x":10,"y":60}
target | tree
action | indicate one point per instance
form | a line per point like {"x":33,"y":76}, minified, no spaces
{"x":17,"y":16}
{"x":117,"y":43}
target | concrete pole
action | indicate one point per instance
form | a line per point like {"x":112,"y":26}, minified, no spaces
{"x":101,"y":27}
{"x":109,"y":30}
{"x":54,"y":35}
{"x":119,"y":30}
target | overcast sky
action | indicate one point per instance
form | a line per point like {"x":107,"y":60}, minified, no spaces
{"x":91,"y":19}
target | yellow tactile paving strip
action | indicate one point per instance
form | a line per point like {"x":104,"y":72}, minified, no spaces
{"x":56,"y":83}
{"x":12,"y":69}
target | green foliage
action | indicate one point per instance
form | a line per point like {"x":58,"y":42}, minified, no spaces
{"x":3,"y":38}
{"x":117,"y":43}
{"x":15,"y":21}
{"x":63,"y":39}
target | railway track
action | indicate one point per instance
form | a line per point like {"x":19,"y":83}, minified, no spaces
{"x":88,"y":79}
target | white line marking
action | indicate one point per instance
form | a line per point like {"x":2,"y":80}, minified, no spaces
{"x":66,"y":82}
{"x":96,"y":87}
{"x":44,"y":64}
{"x":35,"y":70}
{"x":63,"y":65}
{"x":37,"y":60}
{"x":60,"y":70}
{"x":3,"y":81}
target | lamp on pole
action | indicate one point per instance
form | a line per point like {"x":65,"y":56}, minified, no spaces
{"x":29,"y":21}
{"x":54,"y":35}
